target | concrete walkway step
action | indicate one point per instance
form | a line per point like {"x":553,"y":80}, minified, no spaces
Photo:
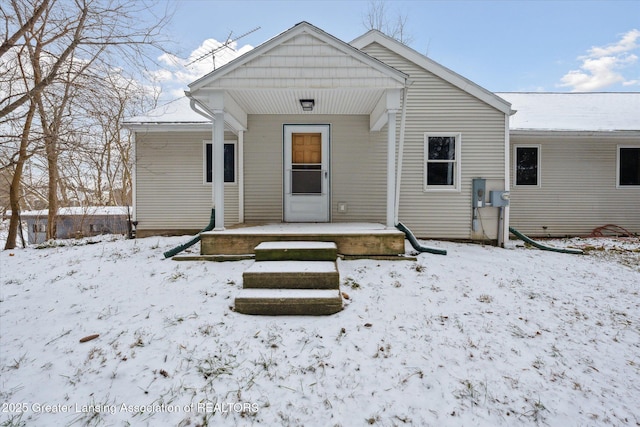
{"x":296,"y":251}
{"x":313,"y":302}
{"x":292,"y":275}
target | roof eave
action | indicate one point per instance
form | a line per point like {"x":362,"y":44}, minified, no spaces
{"x":604,"y":133}
{"x":148,"y":127}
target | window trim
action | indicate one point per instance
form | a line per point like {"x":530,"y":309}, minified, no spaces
{"x":235,"y":162}
{"x":618,"y":147}
{"x":457,"y":178}
{"x":515,"y":165}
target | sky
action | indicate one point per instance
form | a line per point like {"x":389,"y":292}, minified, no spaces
{"x":552,"y":46}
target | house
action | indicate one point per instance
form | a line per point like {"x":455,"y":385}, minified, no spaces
{"x":307,"y":128}
{"x":575,"y":162}
{"x":75,"y":222}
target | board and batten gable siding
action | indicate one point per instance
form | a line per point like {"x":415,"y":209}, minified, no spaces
{"x":577,"y":191}
{"x":170,"y":191}
{"x":436,"y":106}
{"x":357,"y":170}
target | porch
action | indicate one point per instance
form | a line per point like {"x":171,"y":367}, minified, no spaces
{"x":351,"y":239}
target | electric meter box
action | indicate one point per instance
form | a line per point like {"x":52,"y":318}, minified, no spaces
{"x":499,"y":199}
{"x":479,"y":192}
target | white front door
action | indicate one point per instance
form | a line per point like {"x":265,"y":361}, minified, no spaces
{"x":306,"y":173}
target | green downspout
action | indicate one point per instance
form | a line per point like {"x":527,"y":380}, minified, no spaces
{"x":196,"y":239}
{"x":544,"y":247}
{"x":416,"y":245}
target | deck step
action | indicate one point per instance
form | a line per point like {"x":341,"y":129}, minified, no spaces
{"x":296,"y":251}
{"x":292,"y":275}
{"x":312,"y":302}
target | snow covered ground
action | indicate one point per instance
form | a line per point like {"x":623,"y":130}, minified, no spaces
{"x":480,"y":337}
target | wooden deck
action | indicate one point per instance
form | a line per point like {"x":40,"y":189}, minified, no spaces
{"x":352,"y":239}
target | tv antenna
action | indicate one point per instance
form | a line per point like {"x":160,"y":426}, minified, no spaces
{"x":224,"y":45}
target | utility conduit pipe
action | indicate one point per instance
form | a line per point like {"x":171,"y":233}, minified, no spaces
{"x":416,"y":245}
{"x":196,"y":239}
{"x":544,"y":247}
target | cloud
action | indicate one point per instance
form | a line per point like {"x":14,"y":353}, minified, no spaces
{"x":179,"y":72}
{"x":603,"y":66}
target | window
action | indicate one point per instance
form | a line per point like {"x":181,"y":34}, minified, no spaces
{"x":628,"y":166}
{"x":229,"y":162}
{"x":527,"y":165}
{"x":442,"y":161}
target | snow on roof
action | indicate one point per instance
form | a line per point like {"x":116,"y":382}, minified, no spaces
{"x":78,"y":211}
{"x":176,"y":111}
{"x":535,"y":111}
{"x":574,"y":111}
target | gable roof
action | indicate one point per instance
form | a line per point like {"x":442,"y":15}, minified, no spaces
{"x":374,"y":36}
{"x":575,"y":111}
{"x":296,"y":30}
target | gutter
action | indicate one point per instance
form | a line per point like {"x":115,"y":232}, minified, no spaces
{"x":403,"y":122}
{"x":400,"y":226}
{"x":199,"y":107}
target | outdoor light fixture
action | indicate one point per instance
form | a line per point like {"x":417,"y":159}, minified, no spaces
{"x":307,"y":104}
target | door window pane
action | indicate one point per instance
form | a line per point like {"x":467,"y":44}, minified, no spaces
{"x":306,"y":180}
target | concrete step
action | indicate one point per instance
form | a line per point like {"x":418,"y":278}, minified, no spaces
{"x":296,"y":251}
{"x":273,"y":302}
{"x":292,"y":275}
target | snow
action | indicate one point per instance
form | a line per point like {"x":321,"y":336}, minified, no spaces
{"x":177,"y":111}
{"x":289,"y":293}
{"x":295,"y":245}
{"x":78,"y":211}
{"x":535,"y":111}
{"x":293,"y":266}
{"x":574,"y":111}
{"x":311,"y":228}
{"x":481,"y":337}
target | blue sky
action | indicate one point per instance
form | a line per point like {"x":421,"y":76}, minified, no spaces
{"x":501,"y":45}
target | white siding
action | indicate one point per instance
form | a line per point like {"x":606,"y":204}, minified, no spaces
{"x":304,"y":61}
{"x":170,"y":189}
{"x":357,"y":168}
{"x":437,"y":106}
{"x":577,"y":190}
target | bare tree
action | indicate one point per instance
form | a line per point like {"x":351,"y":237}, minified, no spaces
{"x":65,"y":41}
{"x":11,"y":41}
{"x":377,"y":18}
{"x":15,"y":187}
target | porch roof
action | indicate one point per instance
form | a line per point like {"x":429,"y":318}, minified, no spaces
{"x":303,"y":62}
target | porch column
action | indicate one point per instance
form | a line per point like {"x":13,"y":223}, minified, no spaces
{"x":218,"y":168}
{"x":391,"y":167}
{"x":240,"y":176}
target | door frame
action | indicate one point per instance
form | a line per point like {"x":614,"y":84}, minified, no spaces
{"x":288,"y":130}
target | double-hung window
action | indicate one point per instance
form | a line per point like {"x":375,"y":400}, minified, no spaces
{"x":628,"y":166}
{"x":229,"y":162}
{"x":442,"y":161}
{"x":527,"y":165}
